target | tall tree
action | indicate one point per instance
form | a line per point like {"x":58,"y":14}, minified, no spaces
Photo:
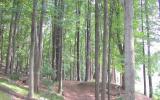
{"x":148,"y":50}
{"x":61,"y":5}
{"x":105,"y":50}
{"x":31,"y":61}
{"x":88,"y":36}
{"x":1,"y":36}
{"x":9,"y":51}
{"x":78,"y":38}
{"x":129,"y":51}
{"x":39,"y":49}
{"x":54,"y":31}
{"x":143,"y":48}
{"x":15,"y":29}
{"x":97,"y":33}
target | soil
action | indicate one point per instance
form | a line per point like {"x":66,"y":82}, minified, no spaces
{"x":74,"y":90}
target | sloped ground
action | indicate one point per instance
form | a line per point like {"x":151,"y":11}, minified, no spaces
{"x":74,"y":90}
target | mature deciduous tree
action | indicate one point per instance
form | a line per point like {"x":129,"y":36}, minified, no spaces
{"x":129,"y":51}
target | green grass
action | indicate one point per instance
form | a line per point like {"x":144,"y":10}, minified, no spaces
{"x":24,"y":91}
{"x":4,"y":96}
{"x":14,"y":87}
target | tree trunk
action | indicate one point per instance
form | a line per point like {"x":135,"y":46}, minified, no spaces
{"x":16,"y":23}
{"x":97,"y":45}
{"x":1,"y":38}
{"x":60,"y":47}
{"x":9,"y":50}
{"x":88,"y":69}
{"x":40,"y":48}
{"x":54,"y":31}
{"x":143,"y":48}
{"x":78,"y":38}
{"x":109,"y":46}
{"x":148,"y":50}
{"x":129,"y":51}
{"x":105,"y":50}
{"x":31,"y":60}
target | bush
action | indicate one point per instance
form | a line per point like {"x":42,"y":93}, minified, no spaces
{"x":157,"y":93}
{"x":47,"y":71}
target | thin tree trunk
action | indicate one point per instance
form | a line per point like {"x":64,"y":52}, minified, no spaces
{"x":9,"y":51}
{"x":1,"y":38}
{"x":31,"y":61}
{"x":78,"y":39}
{"x":88,"y":71}
{"x":16,"y":23}
{"x":105,"y":50}
{"x":54,"y":31}
{"x":97,"y":33}
{"x":144,"y":66}
{"x":109,"y":47}
{"x":60,"y":47}
{"x":40,"y":48}
{"x":148,"y":49}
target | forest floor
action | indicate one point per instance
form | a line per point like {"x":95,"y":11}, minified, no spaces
{"x":73,"y":90}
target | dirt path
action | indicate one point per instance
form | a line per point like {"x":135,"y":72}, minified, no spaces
{"x":74,"y":90}
{"x":78,"y":91}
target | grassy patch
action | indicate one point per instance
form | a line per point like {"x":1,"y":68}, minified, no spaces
{"x":24,"y":91}
{"x":4,"y":96}
{"x":14,"y":87}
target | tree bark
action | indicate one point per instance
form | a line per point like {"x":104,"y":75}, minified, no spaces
{"x":40,"y":49}
{"x":9,"y":50}
{"x":31,"y":60}
{"x":97,"y":33}
{"x":1,"y":38}
{"x":78,"y":38}
{"x":88,"y":71}
{"x":60,"y":47}
{"x":15,"y":27}
{"x":148,"y":50}
{"x":143,"y":48}
{"x":129,"y":51}
{"x":105,"y":50}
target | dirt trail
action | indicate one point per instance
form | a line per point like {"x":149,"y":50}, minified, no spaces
{"x":74,"y":90}
{"x":78,"y":91}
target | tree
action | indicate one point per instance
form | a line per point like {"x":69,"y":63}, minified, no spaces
{"x":105,"y":50}
{"x":31,"y":61}
{"x":143,"y":43}
{"x":39,"y":49}
{"x":9,"y":51}
{"x":148,"y":50}
{"x":1,"y":35}
{"x":129,"y":51}
{"x":78,"y":38}
{"x":61,"y":5}
{"x":97,"y":33}
{"x":88,"y":36}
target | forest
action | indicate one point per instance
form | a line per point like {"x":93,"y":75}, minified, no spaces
{"x":79,"y":49}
